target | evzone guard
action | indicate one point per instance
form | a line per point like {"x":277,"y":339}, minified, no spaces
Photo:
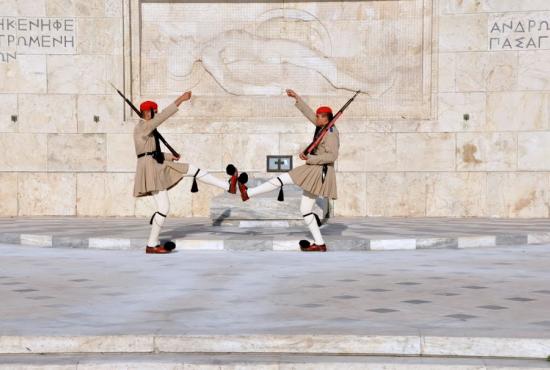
{"x":158,"y":172}
{"x":316,"y":177}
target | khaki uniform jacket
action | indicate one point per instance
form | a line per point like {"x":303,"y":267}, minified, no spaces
{"x":309,"y":176}
{"x":152,"y":176}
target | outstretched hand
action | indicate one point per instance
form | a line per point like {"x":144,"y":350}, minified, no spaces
{"x":170,"y":157}
{"x":303,"y":156}
{"x":184,"y":97}
{"x":292,"y":93}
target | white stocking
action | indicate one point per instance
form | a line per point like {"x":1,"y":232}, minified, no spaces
{"x":308,"y":201}
{"x":204,"y":176}
{"x":163,"y":206}
{"x":270,"y":185}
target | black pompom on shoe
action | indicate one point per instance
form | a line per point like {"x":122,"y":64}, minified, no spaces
{"x":230,"y":170}
{"x":243,"y":178}
{"x":170,"y":246}
{"x":304,"y":244}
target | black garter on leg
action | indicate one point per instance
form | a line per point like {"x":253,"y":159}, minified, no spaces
{"x":319,"y":223}
{"x":153,"y":217}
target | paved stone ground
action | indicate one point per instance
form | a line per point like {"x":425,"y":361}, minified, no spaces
{"x":340,"y":233}
{"x":190,"y":227}
{"x":482,"y":292}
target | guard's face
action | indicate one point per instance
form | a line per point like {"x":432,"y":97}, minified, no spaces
{"x":322,"y":120}
{"x":147,"y":115}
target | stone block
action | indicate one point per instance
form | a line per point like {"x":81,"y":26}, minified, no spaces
{"x":462,"y":194}
{"x":534,"y":70}
{"x":517,"y":111}
{"x":486,"y":71}
{"x":26,"y":152}
{"x":534,"y":151}
{"x":80,"y":8}
{"x":105,"y":194}
{"x":100,"y":36}
{"x":8,"y":194}
{"x":452,"y":108}
{"x":121,"y":154}
{"x":352,"y":195}
{"x":31,"y":7}
{"x":373,"y":152}
{"x":477,"y":6}
{"x":476,"y":242}
{"x":109,"y":109}
{"x":425,"y":152}
{"x":113,"y":8}
{"x":517,"y":194}
{"x":36,"y":240}
{"x":77,"y":152}
{"x":392,"y":244}
{"x":26,"y":74}
{"x":77,"y":74}
{"x":7,"y":109}
{"x":447,"y":72}
{"x":47,"y":113}
{"x":463,"y":32}
{"x":47,"y":194}
{"x":486,"y":151}
{"x":407,"y":192}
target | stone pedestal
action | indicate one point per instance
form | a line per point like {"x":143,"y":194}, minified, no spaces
{"x":262,"y":210}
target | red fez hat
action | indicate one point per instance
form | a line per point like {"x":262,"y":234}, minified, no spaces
{"x":324,"y":110}
{"x":148,"y":105}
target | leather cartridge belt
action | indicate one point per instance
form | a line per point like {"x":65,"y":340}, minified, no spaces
{"x":144,"y":154}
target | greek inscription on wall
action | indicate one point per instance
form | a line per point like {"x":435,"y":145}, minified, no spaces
{"x":36,"y":35}
{"x":519,"y":31}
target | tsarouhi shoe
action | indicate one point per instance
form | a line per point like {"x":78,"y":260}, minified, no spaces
{"x":159,"y":249}
{"x":243,"y":179}
{"x":306,"y":246}
{"x":234,"y":173}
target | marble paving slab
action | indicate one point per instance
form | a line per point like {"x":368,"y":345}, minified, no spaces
{"x":470,"y":302}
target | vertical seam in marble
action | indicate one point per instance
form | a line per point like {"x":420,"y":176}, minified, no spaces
{"x":17,"y":193}
{"x":517,"y":151}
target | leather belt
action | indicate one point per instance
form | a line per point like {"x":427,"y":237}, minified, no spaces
{"x":144,"y":154}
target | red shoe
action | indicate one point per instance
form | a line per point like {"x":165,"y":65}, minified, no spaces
{"x":315,"y":248}
{"x":234,"y":173}
{"x":159,"y":249}
{"x":305,"y":246}
{"x":243,"y":179}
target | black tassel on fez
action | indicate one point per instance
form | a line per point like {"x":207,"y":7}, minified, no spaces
{"x":195,"y":187}
{"x":281,"y":197}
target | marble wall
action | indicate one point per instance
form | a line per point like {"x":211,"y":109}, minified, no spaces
{"x":458,"y":126}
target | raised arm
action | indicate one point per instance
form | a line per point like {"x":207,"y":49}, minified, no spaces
{"x":302,"y":106}
{"x":167,"y":112}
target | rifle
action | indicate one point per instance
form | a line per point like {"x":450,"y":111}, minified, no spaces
{"x":156,"y":134}
{"x":317,"y":140}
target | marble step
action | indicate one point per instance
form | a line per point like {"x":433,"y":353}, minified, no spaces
{"x":258,"y":362}
{"x":296,"y":344}
{"x":228,"y":209}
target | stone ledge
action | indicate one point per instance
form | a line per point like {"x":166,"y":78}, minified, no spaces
{"x":377,"y":345}
{"x":162,"y":361}
{"x":271,"y":243}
